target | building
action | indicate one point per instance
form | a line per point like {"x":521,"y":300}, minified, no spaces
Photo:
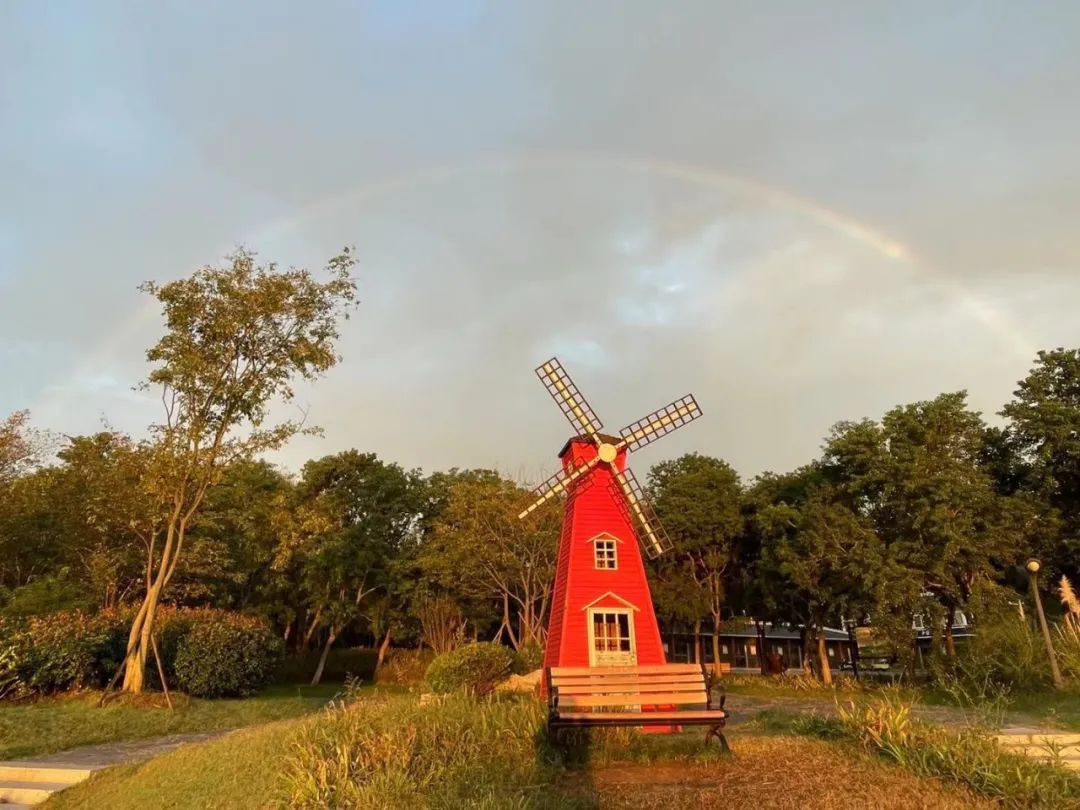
{"x":739,"y":646}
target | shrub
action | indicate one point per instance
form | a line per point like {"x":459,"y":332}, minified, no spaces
{"x":528,"y":659}
{"x":69,"y":650}
{"x":225,"y":655}
{"x":1005,"y":656}
{"x":392,"y":752}
{"x":405,"y":667}
{"x":474,"y":668}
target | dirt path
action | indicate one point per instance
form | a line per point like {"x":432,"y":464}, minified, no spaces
{"x":769,"y":772}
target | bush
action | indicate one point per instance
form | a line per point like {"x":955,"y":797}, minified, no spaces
{"x":405,"y":667}
{"x":474,"y":668}
{"x":392,"y":752}
{"x":1006,"y":656}
{"x":70,"y":650}
{"x":225,"y":655}
{"x":528,"y":659}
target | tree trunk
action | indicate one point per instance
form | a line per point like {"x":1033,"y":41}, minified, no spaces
{"x":950,"y":642}
{"x":716,"y":645}
{"x":311,"y":629}
{"x":384,"y":648}
{"x":823,"y":659}
{"x":288,"y":632}
{"x":698,"y":652}
{"x":139,"y":640}
{"x":762,"y":648}
{"x":322,"y":658}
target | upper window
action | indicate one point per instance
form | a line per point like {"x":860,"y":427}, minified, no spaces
{"x":606,"y":555}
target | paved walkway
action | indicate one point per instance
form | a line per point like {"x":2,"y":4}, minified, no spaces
{"x":101,"y":756}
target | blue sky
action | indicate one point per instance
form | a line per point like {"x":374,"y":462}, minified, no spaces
{"x":800,"y":213}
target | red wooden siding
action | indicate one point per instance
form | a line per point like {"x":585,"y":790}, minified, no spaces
{"x":594,"y":508}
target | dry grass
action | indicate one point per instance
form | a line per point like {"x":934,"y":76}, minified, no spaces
{"x":769,"y":772}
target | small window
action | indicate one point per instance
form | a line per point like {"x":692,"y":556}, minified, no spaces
{"x":605,"y":554}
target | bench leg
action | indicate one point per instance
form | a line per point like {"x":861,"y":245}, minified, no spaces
{"x":718,"y":732}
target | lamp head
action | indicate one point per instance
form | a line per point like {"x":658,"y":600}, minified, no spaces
{"x":1033,"y":566}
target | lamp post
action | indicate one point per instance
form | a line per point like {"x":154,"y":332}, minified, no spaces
{"x":1033,"y":567}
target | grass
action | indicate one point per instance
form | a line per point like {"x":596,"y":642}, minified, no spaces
{"x":390,"y":752}
{"x":239,"y":770}
{"x":56,"y":724}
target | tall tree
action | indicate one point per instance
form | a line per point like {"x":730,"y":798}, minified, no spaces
{"x":22,"y":448}
{"x":699,"y":501}
{"x":353,"y":515}
{"x":1044,"y":428}
{"x":919,"y":476}
{"x":237,"y":338}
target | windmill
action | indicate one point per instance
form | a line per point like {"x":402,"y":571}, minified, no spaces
{"x":602,"y":612}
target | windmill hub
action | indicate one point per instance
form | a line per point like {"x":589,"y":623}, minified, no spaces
{"x":607,"y":452}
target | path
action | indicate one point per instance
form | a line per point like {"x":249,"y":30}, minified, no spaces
{"x":27,"y":782}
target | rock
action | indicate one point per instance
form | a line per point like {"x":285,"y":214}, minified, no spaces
{"x":522,"y":683}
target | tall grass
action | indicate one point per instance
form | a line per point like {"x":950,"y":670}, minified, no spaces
{"x":454,"y":752}
{"x":969,"y":757}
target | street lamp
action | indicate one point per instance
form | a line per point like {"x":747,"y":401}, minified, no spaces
{"x":1033,"y":567}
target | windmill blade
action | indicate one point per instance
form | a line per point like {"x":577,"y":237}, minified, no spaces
{"x":556,"y":485}
{"x":650,"y":532}
{"x":568,"y":398}
{"x":659,"y":423}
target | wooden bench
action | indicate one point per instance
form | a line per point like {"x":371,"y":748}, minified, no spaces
{"x":662,"y":695}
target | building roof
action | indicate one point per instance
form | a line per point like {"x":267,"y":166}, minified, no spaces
{"x":588,"y":439}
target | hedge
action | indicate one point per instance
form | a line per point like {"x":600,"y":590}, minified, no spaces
{"x":474,"y":668}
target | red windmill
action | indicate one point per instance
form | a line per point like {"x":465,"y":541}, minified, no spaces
{"x":601,"y":611}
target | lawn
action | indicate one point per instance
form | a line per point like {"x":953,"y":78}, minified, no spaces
{"x":56,"y":724}
{"x":388,"y":751}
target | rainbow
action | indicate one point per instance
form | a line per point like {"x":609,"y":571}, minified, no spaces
{"x":540,"y":162}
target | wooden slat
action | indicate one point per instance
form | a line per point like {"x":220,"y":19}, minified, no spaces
{"x":650,"y":699}
{"x":613,"y":717}
{"x":603,"y":671}
{"x":632,"y":689}
{"x":621,"y":680}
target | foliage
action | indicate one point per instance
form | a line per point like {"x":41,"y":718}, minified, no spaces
{"x":967,"y":756}
{"x":477,"y":550}
{"x":225,"y":655}
{"x":236,"y":340}
{"x":60,"y":651}
{"x":404,"y":667}
{"x":1044,"y":428}
{"x":698,"y":500}
{"x":47,"y":594}
{"x":459,"y":752}
{"x":22,"y":448}
{"x":475,"y":668}
{"x":355,"y":663}
{"x":528,"y":659}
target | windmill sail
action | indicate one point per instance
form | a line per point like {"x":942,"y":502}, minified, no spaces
{"x":660,"y":423}
{"x":651,"y":534}
{"x":559,"y":483}
{"x":568,"y":398}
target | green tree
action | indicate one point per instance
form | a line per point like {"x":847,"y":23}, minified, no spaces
{"x":698,"y":499}
{"x":1044,"y":429}
{"x":820,"y":560}
{"x":353,"y":515}
{"x":919,"y":476}
{"x":237,"y":338}
{"x":478,"y":550}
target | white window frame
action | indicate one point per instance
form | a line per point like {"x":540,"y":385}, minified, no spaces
{"x":594,"y":654}
{"x":610,"y":553}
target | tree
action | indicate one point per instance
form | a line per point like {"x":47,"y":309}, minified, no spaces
{"x":1044,"y":429}
{"x":352,"y":516}
{"x":920,"y":478}
{"x":699,"y":501}
{"x":22,"y":448}
{"x":820,"y":560}
{"x":236,"y":339}
{"x":477,"y":548}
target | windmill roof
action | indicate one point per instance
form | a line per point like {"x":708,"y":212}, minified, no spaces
{"x":587,"y":439}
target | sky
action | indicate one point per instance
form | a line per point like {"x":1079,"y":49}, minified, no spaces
{"x":801,"y":213}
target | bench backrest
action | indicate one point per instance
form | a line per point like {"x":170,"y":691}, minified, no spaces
{"x":588,"y":688}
